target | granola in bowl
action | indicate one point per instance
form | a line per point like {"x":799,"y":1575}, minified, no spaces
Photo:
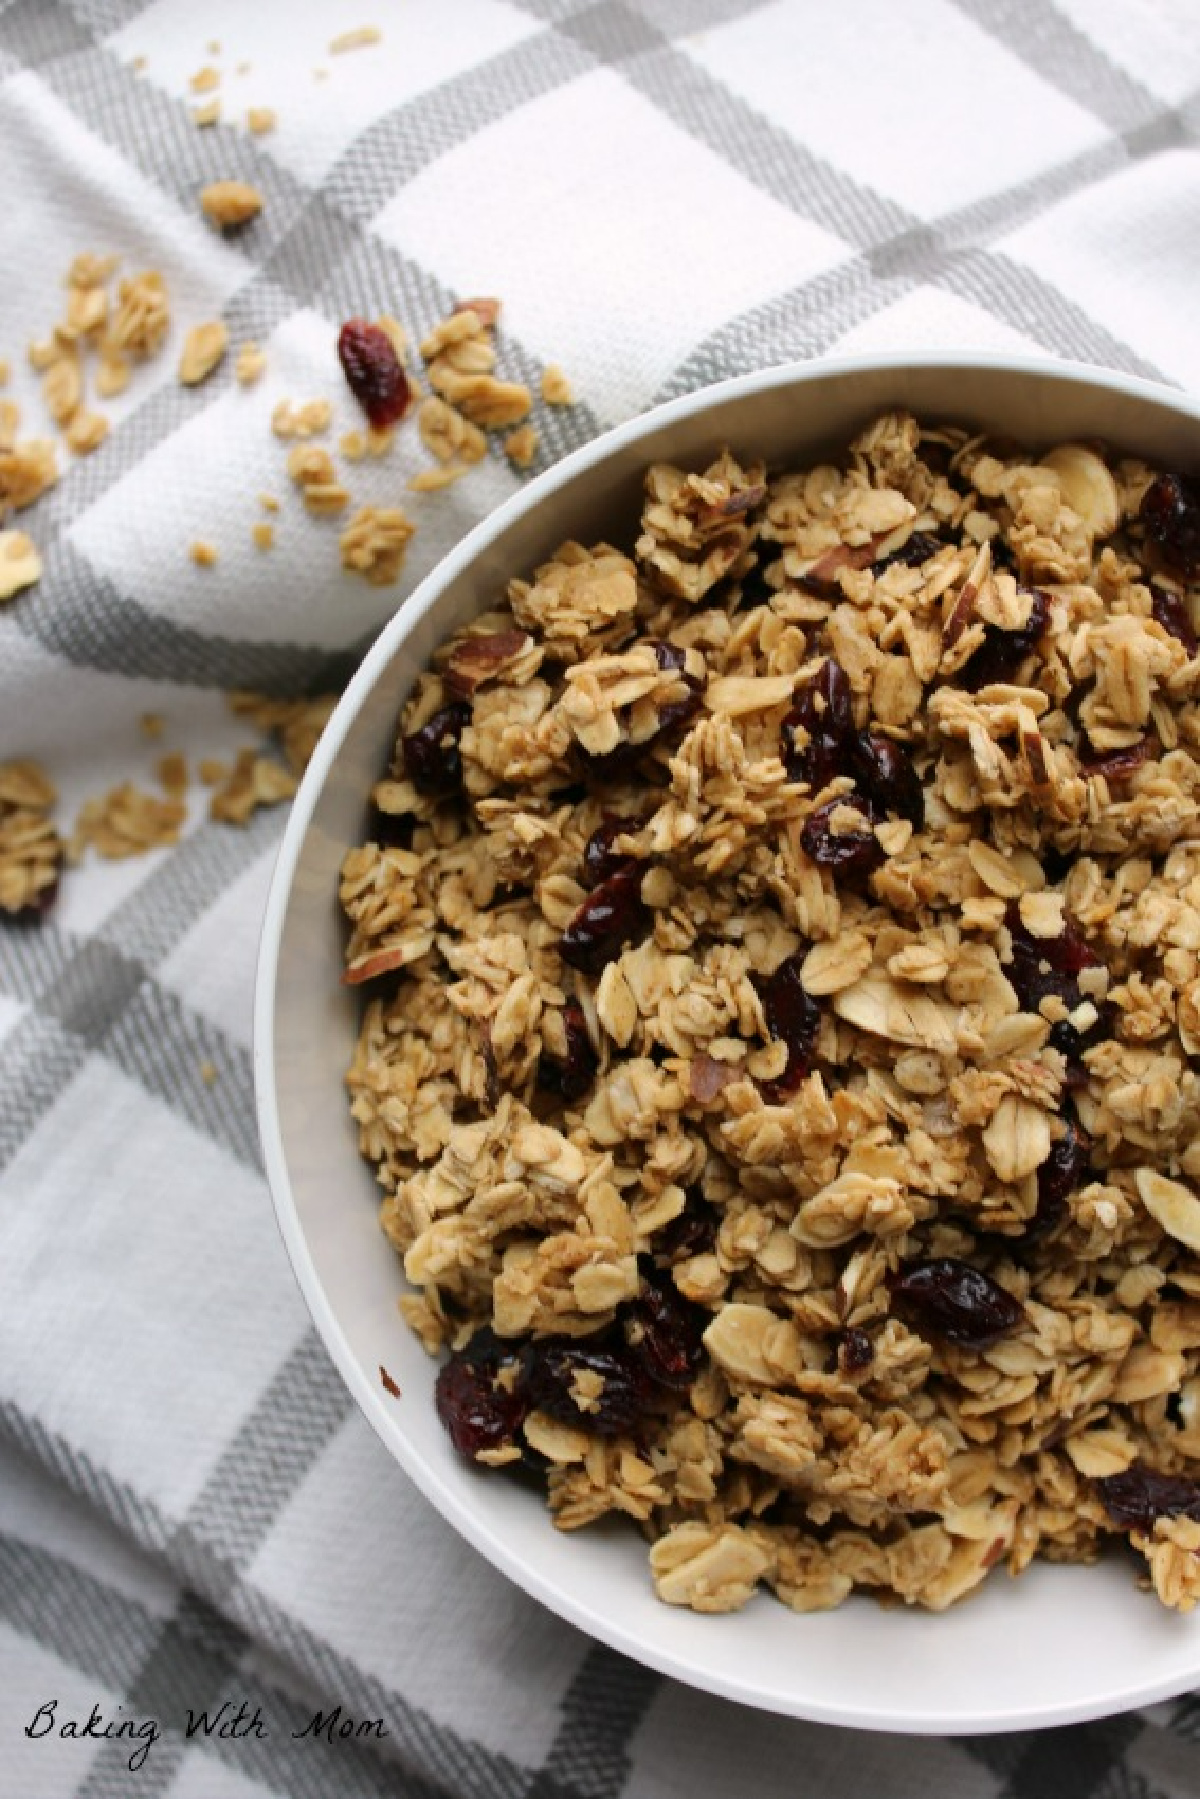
{"x":782,"y":967}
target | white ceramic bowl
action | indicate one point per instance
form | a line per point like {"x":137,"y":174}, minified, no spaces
{"x":1060,"y":1644}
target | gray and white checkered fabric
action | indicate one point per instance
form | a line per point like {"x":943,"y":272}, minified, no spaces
{"x":664,"y":193}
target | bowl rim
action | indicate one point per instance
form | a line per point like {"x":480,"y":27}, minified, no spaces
{"x":476,"y":1531}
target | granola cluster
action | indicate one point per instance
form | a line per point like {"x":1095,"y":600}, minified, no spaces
{"x":781,"y":948}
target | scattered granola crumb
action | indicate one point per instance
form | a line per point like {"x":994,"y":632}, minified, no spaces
{"x":213,"y":48}
{"x":431,"y":480}
{"x":152,"y":725}
{"x":460,"y":358}
{"x":86,"y":432}
{"x":260,"y":119}
{"x":212,"y":771}
{"x":311,"y":468}
{"x":143,"y":315}
{"x":358,"y":39}
{"x":521,"y":445}
{"x":203,"y":348}
{"x":203,"y":554}
{"x":353,"y":445}
{"x":20,"y":564}
{"x":172,"y":772}
{"x":26,"y":471}
{"x":62,"y":387}
{"x":205,"y":80}
{"x":243,"y":68}
{"x":447,"y":435}
{"x":126,"y":822}
{"x":297,"y":724}
{"x":249,"y":364}
{"x":5,"y":371}
{"x":112,"y":374}
{"x":556,"y":389}
{"x":208,"y":1073}
{"x":375,"y":542}
{"x":268,"y":502}
{"x":263,"y":534}
{"x":139,"y":65}
{"x":31,"y":850}
{"x":308,"y":418}
{"x":208,"y":114}
{"x":230,"y":203}
{"x":253,"y":782}
{"x":320,"y":74}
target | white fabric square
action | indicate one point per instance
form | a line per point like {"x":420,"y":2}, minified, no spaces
{"x":37,"y":1510}
{"x":324,"y":102}
{"x":145,"y":1299}
{"x":46,"y":1767}
{"x":637,"y":223}
{"x":1126,"y":250}
{"x":361,"y":1558}
{"x":684,"y":1731}
{"x":12,"y":1011}
{"x":912,"y":100}
{"x":204,"y":481}
{"x":202,"y":1776}
{"x":1155,"y":41}
{"x":929,"y":319}
{"x":212,"y":969}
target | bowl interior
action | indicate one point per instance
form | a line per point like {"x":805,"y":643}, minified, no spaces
{"x":1061,"y":1645}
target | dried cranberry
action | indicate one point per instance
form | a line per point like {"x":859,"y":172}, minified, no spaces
{"x":1134,"y":1499}
{"x":855,"y":1351}
{"x":919,"y":548}
{"x":692,"y":1233}
{"x":609,"y":918}
{"x":1170,"y":609}
{"x":1119,"y":765}
{"x":1170,"y":511}
{"x":663,"y":1331}
{"x":572,"y":1076}
{"x":550,"y":1368}
{"x":372,"y":368}
{"x":599,"y":858}
{"x":856,"y":851}
{"x":956,"y":1303}
{"x":792,"y":1017}
{"x":1000,"y":655}
{"x":478,"y":1413}
{"x":1045,"y":966}
{"x":885,"y":776}
{"x":431,"y":755}
{"x":676,"y":712}
{"x":1064,"y":1169}
{"x":822,"y":709}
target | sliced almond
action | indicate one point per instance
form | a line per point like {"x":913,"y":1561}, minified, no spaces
{"x":1017,"y":1140}
{"x":1087,"y":486}
{"x":829,"y":967}
{"x":20,"y":564}
{"x":203,"y":348}
{"x":736,"y":695}
{"x":901,"y":1013}
{"x":1174,"y":1206}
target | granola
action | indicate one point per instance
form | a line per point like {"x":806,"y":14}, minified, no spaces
{"x":781,"y":960}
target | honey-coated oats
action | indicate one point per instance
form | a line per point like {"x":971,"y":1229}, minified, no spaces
{"x":780,"y":946}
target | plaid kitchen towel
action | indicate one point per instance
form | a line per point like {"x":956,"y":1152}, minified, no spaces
{"x":192,"y":1516}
